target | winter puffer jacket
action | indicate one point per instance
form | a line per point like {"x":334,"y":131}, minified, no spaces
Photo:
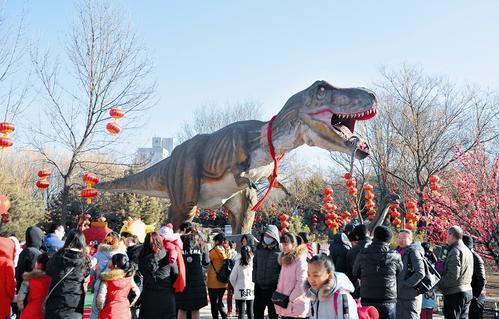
{"x":413,"y":271}
{"x":351,"y":256}
{"x":112,"y":297}
{"x":27,"y":258}
{"x":378,"y":266}
{"x":478,"y":280}
{"x":323,"y":300}
{"x":7,"y":278}
{"x":218,"y":255}
{"x":240,"y":279}
{"x":338,"y":250}
{"x":291,"y":283}
{"x":66,"y":300}
{"x":266,"y":267}
{"x":458,"y":270}
{"x":194,"y":295}
{"x":37,"y":285}
{"x":101,"y":261}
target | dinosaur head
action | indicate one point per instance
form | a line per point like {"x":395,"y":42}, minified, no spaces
{"x":328,"y":115}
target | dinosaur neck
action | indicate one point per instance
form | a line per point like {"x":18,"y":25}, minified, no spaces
{"x":286,"y":136}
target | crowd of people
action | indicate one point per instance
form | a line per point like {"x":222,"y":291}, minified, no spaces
{"x":173,"y":275}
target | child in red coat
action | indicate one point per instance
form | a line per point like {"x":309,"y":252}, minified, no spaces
{"x":34,"y":290}
{"x":112,"y":298}
{"x":7,"y":276}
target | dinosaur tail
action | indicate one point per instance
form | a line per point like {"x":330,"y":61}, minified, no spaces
{"x":150,"y":181}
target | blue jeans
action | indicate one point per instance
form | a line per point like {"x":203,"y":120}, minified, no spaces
{"x":386,"y":310}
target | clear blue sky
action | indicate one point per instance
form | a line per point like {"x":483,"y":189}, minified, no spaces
{"x":226,"y":51}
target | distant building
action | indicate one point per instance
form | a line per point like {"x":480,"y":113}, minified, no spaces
{"x":161,"y":148}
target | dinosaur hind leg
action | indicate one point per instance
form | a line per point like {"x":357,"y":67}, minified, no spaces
{"x":177,"y":215}
{"x":240,"y":213}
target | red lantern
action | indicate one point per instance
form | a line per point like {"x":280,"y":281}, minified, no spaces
{"x":369,"y":196}
{"x":368,"y":188}
{"x":284,"y":231}
{"x":7,"y":128}
{"x":89,"y":194}
{"x":352,"y":191}
{"x":410,"y":205}
{"x":345,"y":215}
{"x":284,"y":224}
{"x":90,"y":179}
{"x":328,"y":191}
{"x":355,"y":214}
{"x":351,"y":183}
{"x":328,"y":198}
{"x":44,"y":173}
{"x":434,"y":179}
{"x":396,"y":222}
{"x":283,"y":217}
{"x":113,"y":128}
{"x":409,"y":226}
{"x":5,"y":142}
{"x":347,"y":175}
{"x":116,"y":113}
{"x":434,"y":187}
{"x":42,"y":185}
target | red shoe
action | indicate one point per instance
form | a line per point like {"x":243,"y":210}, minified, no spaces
{"x":229,"y":313}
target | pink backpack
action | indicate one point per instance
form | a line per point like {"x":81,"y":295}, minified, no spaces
{"x":364,"y":312}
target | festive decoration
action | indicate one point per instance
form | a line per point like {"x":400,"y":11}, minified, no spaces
{"x":332,"y":220}
{"x":434,"y":186}
{"x":43,"y":183}
{"x":90,"y":179}
{"x":89,"y":194}
{"x":283,"y":217}
{"x":351,"y":184}
{"x":5,"y":140}
{"x":113,"y":128}
{"x":411,"y":215}
{"x":370,"y":204}
{"x":394,"y":213}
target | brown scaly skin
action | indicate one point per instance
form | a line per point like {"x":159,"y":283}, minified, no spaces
{"x":220,"y":169}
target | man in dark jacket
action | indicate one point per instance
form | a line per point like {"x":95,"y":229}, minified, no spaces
{"x":27,"y":258}
{"x":413,"y":271}
{"x":378,"y":266}
{"x":477,"y":282}
{"x":360,"y":241}
{"x":266,"y":271}
{"x":340,"y":245}
{"x":456,"y":279}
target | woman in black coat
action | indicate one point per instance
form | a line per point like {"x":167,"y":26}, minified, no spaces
{"x":194,"y":296}
{"x":158,"y":296}
{"x":68,"y":269}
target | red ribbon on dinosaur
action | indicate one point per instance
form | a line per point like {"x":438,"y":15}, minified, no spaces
{"x":276,"y":162}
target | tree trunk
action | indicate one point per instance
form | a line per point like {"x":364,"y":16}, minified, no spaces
{"x":65,"y":201}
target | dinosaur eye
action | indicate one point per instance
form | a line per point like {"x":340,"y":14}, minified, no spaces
{"x":321,"y":93}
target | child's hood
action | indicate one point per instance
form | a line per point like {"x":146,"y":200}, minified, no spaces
{"x":340,"y":281}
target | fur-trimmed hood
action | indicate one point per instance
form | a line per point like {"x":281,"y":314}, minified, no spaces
{"x":118,"y":248}
{"x":340,"y":281}
{"x":34,"y":274}
{"x":114,"y":274}
{"x":288,"y":259}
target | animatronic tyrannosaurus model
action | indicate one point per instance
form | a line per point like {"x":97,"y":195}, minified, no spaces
{"x":219,"y":169}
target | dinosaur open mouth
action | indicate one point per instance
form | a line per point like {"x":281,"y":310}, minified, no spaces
{"x":344,"y":125}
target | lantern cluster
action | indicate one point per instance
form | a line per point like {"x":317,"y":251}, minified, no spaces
{"x":332,"y":220}
{"x":43,"y":183}
{"x":89,"y":193}
{"x":395,"y":214}
{"x":114,"y":127}
{"x":5,"y":140}
{"x":411,"y":215}
{"x":283,"y":217}
{"x":351,"y":185}
{"x":4,"y":209}
{"x":434,"y":186}
{"x":370,"y":204}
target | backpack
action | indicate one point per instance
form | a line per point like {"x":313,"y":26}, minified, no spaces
{"x":431,"y":276}
{"x":223,"y":273}
{"x":363,"y":312}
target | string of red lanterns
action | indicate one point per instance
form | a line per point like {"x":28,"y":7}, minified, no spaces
{"x":370,"y":204}
{"x":114,"y":127}
{"x":6,"y":141}
{"x":43,"y":183}
{"x":351,"y":185}
{"x":283,"y":217}
{"x":395,"y":214}
{"x":332,"y":220}
{"x":89,"y":193}
{"x":412,"y":214}
{"x":434,"y":186}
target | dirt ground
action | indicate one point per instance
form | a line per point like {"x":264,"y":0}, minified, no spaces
{"x":492,"y":287}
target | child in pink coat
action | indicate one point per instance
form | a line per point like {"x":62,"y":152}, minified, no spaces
{"x":171,"y":241}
